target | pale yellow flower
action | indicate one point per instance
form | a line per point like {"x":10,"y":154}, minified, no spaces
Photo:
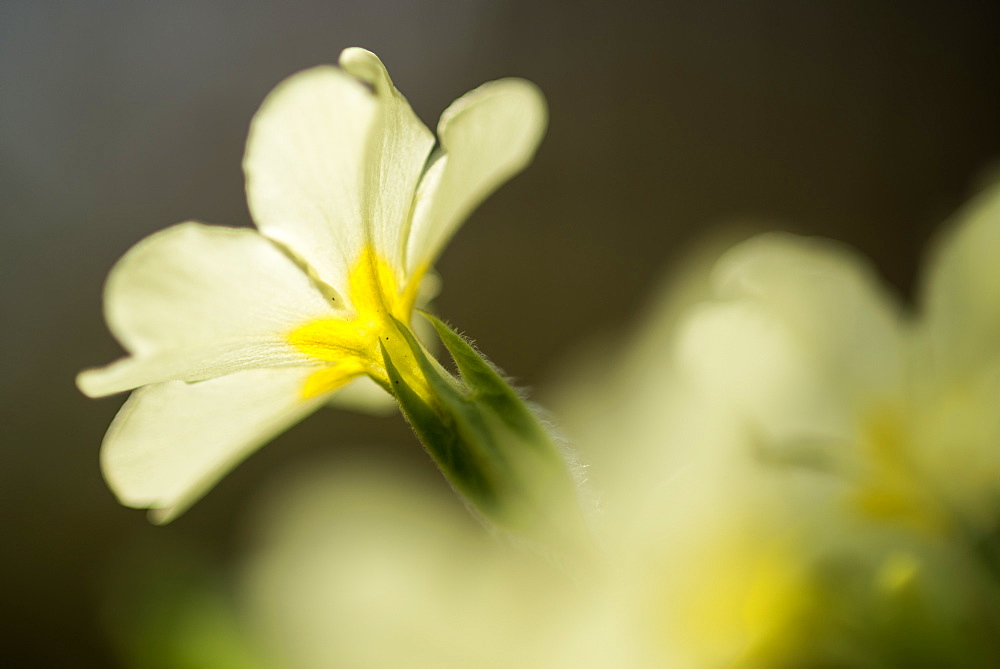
{"x":787,"y":454}
{"x":801,"y":341}
{"x":234,"y":334}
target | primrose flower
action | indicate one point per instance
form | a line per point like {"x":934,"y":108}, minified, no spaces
{"x":806,"y":472}
{"x":879,"y":421}
{"x":802,"y":341}
{"x":234,"y":334}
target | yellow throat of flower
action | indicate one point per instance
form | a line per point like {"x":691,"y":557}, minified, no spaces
{"x":890,"y":488}
{"x":353,"y":347}
{"x":738,"y":601}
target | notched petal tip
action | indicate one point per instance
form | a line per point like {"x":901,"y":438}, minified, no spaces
{"x":367,"y":67}
{"x":487,"y":136}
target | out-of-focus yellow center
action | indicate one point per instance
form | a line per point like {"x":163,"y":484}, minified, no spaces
{"x":890,"y":488}
{"x":736,"y":602}
{"x":352,"y":346}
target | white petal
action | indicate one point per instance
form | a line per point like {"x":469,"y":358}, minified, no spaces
{"x":397,"y":153}
{"x":304,"y":168}
{"x":830,"y":300}
{"x":487,"y":136}
{"x":798,"y":346}
{"x":747,"y":365}
{"x":172,"y":441}
{"x":359,"y":567}
{"x":962,"y":294}
{"x":332,"y":165}
{"x":194,"y":302}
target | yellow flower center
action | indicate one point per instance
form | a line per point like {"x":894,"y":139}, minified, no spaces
{"x":741,"y":600}
{"x":353,"y":346}
{"x":891,"y":489}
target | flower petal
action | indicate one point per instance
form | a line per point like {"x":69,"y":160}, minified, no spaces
{"x":172,"y":441}
{"x":487,"y":136}
{"x":798,"y":344}
{"x":961,"y":297}
{"x":304,"y":168}
{"x":830,"y":300}
{"x":397,"y":153}
{"x":332,"y":162}
{"x":738,"y":354}
{"x":194,"y":302}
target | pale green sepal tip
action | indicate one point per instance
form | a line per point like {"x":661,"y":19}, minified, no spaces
{"x":442,"y":383}
{"x":484,"y":381}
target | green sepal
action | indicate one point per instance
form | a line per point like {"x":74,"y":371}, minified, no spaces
{"x":486,"y":383}
{"x":444,"y":385}
{"x":442,"y":440}
{"x":488,"y":443}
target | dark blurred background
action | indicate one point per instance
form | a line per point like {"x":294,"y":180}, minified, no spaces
{"x":864,"y":121}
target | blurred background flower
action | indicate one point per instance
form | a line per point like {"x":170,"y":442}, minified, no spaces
{"x":819,"y":456}
{"x":864,"y":123}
